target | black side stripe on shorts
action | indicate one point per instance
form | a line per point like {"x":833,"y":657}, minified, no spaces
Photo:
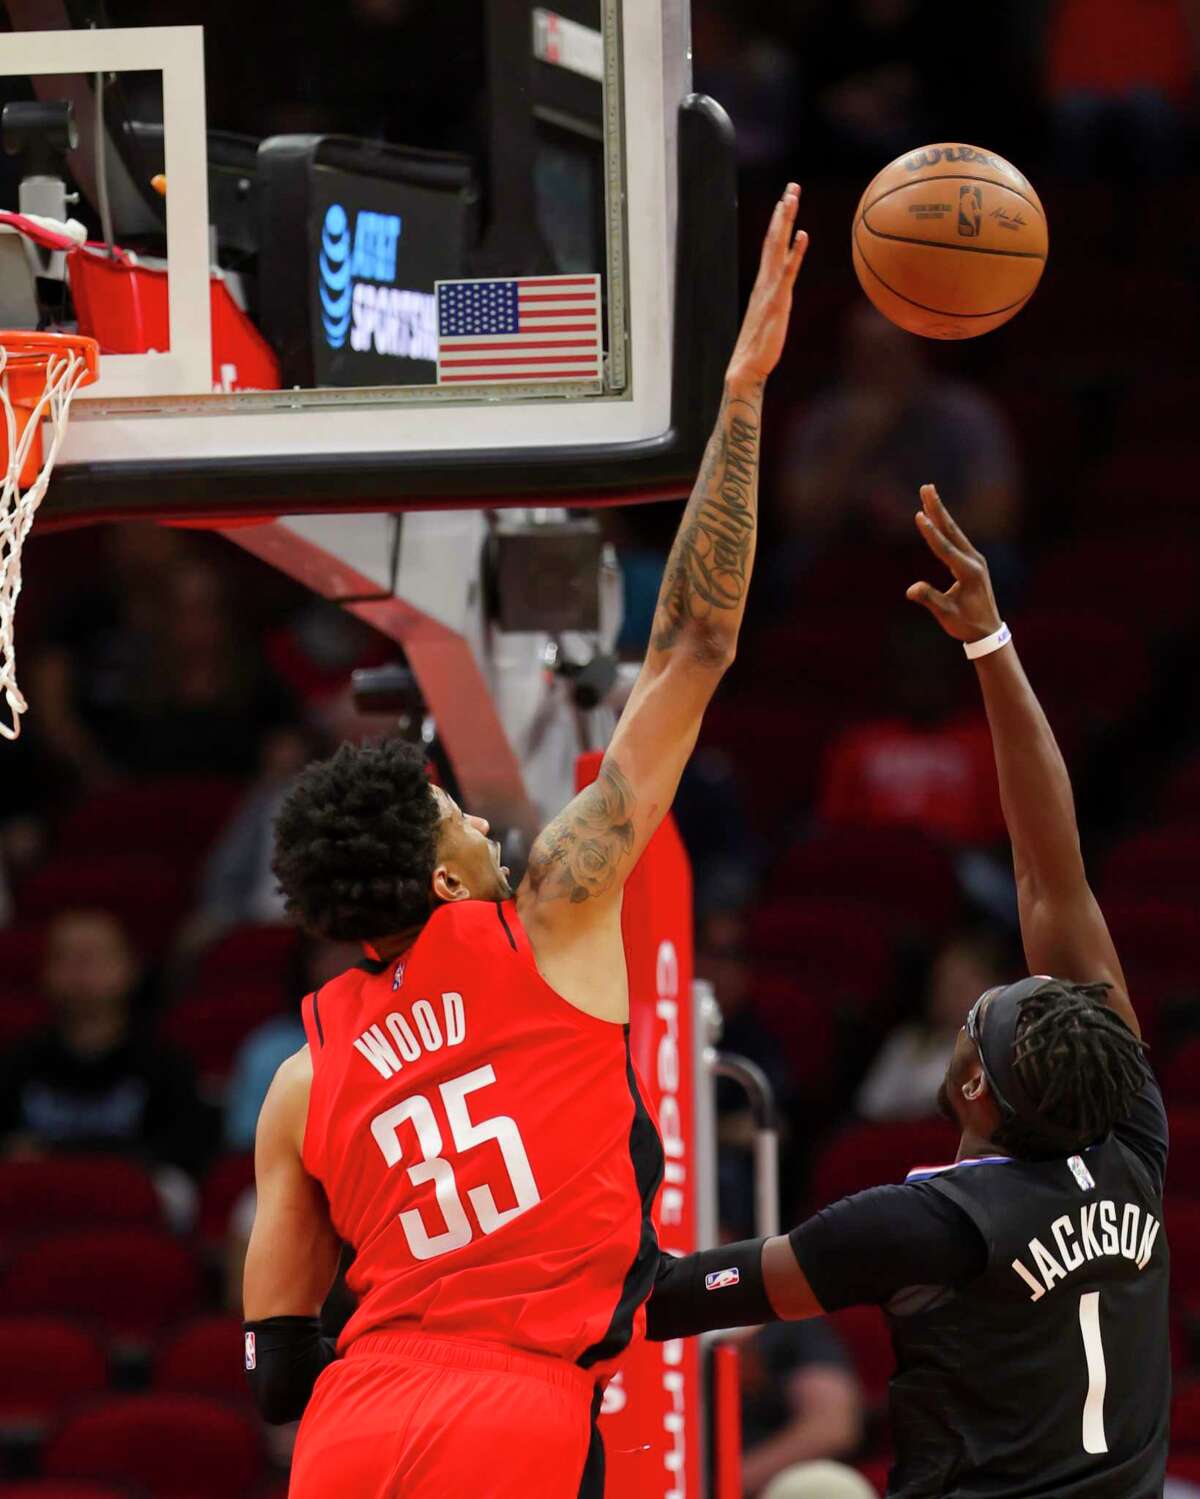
{"x":591,"y":1485}
{"x":646,"y":1152}
{"x":317,"y":1017}
{"x":512,"y":941}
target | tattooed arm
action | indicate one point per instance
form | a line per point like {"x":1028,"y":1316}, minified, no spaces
{"x":581,"y":861}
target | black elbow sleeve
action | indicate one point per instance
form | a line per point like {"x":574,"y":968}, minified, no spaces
{"x":284,"y":1356}
{"x":711,"y":1290}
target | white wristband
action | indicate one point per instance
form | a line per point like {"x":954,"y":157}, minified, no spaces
{"x":989,"y":643}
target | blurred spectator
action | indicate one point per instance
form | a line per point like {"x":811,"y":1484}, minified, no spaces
{"x":710,"y":809}
{"x":722,"y":959}
{"x":755,"y":78}
{"x":927,"y":764}
{"x":150,"y":676}
{"x":94,"y":1078}
{"x":870,"y":65}
{"x":264,"y":1049}
{"x":855,"y":459}
{"x":800,"y":1400}
{"x":315,"y":651}
{"x":1121,"y":76}
{"x":237,"y":886}
{"x":903,"y":1081}
{"x":99,"y":648}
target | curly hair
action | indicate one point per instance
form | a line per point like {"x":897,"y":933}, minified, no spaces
{"x":1078,"y":1062}
{"x":356,"y":842}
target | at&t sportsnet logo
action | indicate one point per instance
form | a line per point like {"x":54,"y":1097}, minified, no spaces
{"x":360,"y":302}
{"x":335,"y":276}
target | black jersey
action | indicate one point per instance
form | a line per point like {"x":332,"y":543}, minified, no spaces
{"x":1033,"y":1358}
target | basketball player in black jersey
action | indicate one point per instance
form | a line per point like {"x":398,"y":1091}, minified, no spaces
{"x":1026,"y":1284}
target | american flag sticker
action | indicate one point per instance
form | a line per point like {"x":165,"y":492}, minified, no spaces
{"x":519,"y":330}
{"x":717,"y":1280}
{"x":251,"y":1356}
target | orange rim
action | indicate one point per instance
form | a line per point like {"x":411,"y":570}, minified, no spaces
{"x":28,"y":351}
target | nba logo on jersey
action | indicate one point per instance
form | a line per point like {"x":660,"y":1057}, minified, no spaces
{"x":251,"y":1357}
{"x":398,"y":976}
{"x":717,"y":1280}
{"x":1081,"y":1174}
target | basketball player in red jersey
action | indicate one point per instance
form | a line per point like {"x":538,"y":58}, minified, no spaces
{"x":466,"y":1114}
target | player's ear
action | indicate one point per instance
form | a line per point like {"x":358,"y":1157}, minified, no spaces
{"x":975,"y":1086}
{"x":447,"y":886}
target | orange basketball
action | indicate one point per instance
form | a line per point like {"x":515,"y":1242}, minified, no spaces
{"x":950,"y":241}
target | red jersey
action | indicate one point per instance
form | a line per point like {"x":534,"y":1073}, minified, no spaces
{"x":483,"y":1146}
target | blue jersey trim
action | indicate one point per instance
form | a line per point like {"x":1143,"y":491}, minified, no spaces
{"x":923,"y":1173}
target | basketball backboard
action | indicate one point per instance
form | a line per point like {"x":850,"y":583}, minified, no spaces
{"x":408,"y":255}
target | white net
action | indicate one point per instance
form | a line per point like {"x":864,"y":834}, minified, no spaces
{"x":65,"y":372}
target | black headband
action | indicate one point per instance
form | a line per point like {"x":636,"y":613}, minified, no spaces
{"x":997,"y":1033}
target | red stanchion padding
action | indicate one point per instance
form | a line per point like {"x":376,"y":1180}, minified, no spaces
{"x":727,"y":1421}
{"x":654,"y":1408}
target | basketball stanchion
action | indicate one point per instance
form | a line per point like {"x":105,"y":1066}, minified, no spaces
{"x":39,"y":375}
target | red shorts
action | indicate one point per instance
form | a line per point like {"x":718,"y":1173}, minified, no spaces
{"x":404,"y":1416}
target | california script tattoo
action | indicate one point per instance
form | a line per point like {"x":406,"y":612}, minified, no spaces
{"x":709,"y":566}
{"x":577,"y":856}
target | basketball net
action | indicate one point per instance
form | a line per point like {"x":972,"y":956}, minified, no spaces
{"x":66,"y":365}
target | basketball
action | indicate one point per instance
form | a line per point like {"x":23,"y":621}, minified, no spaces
{"x":950,"y":241}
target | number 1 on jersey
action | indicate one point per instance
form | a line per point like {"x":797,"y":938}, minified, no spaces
{"x":434,"y":1168}
{"x":1094,"y":1439}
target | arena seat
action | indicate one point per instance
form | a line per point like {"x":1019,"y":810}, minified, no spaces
{"x":1180,"y":1080}
{"x":872,"y":1155}
{"x":836,"y":949}
{"x":147,"y":892}
{"x":1152,"y":585}
{"x":876,"y":1472}
{"x":176,"y":817}
{"x":763,"y":737}
{"x":259,"y":952}
{"x":865,"y":1334}
{"x":900,"y":870}
{"x":1184,"y":1466}
{"x":1183,"y":1166}
{"x":803,"y":1022}
{"x":69,"y":1191}
{"x":1153,"y":480}
{"x":66,"y":1489}
{"x":21,"y":1013}
{"x":45,"y":1364}
{"x":1089,"y":669}
{"x":227,"y":1179}
{"x":1183,"y":1234}
{"x":22,"y":951}
{"x":128,"y":1282}
{"x":1185,"y":1414}
{"x":203,"y":1357}
{"x":175,"y":1446}
{"x":212,"y":1023}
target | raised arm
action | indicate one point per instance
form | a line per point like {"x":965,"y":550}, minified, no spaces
{"x":1062,"y":927}
{"x":581,"y":861}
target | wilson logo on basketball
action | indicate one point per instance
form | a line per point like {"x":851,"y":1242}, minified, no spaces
{"x":970,"y":210}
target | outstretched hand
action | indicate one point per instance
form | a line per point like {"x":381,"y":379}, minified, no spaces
{"x":764,"y":328}
{"x":967,"y":610}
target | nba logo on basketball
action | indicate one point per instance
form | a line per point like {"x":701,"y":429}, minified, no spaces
{"x":717,"y":1280}
{"x":970,"y":211}
{"x":251,"y":1356}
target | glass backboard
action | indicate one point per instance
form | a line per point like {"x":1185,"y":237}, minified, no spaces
{"x":381,"y":254}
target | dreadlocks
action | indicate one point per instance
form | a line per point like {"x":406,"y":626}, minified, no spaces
{"x":1078,"y":1062}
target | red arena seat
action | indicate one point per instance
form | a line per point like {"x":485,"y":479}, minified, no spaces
{"x":1180,"y":1078}
{"x":45,"y":1364}
{"x":1185,"y":1413}
{"x":129,"y":1282}
{"x":899,"y":870}
{"x":22,"y":951}
{"x":837,"y":949}
{"x":64,"y":1489}
{"x":177,"y":817}
{"x":210,"y":1025}
{"x":21,"y":1013}
{"x":876,"y":1473}
{"x":1164,"y":861}
{"x":872,"y":1155}
{"x":262,"y":953}
{"x":1183,"y":1167}
{"x":174,"y":1446}
{"x":203,"y":1357}
{"x":1183,"y":1235}
{"x":147,"y":892}
{"x":226,"y":1181}
{"x":70,"y":1191}
{"x":865,"y":1334}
